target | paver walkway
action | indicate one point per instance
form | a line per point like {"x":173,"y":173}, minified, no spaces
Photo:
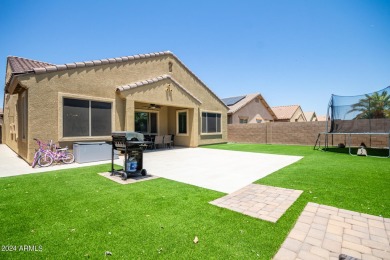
{"x":259,"y":201}
{"x":324,"y":232}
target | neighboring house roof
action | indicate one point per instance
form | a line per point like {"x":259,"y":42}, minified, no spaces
{"x":310,"y":115}
{"x":157,"y":79}
{"x":285,"y":112}
{"x":321,"y":118}
{"x":23,"y":65}
{"x":236,"y":103}
{"x":232,"y":100}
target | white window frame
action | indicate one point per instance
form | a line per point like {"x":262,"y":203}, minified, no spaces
{"x":177,"y":122}
{"x":201,"y":122}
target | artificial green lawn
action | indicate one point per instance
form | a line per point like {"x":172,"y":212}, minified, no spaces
{"x":76,"y":213}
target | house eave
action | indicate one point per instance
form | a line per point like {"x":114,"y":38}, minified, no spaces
{"x":14,"y":86}
{"x":154,"y":80}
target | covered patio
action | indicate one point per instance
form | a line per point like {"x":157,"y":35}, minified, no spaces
{"x":160,"y":120}
{"x":161,"y":106}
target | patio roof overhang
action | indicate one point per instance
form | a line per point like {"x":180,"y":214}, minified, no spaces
{"x":164,"y":95}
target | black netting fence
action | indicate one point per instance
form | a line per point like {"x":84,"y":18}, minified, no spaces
{"x":368,"y":113}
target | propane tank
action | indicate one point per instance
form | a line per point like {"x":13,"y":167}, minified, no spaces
{"x":131,"y":165}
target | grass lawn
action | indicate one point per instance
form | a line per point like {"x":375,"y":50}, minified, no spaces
{"x":76,"y":213}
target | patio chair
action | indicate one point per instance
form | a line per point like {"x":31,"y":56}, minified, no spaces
{"x":168,"y":141}
{"x":150,"y":141}
{"x":172,"y":140}
{"x":158,"y":140}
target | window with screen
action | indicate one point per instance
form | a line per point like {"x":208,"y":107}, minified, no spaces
{"x":86,"y":118}
{"x":211,"y":122}
{"x":100,"y":118}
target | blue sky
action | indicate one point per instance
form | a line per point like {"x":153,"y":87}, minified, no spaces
{"x":292,"y":52}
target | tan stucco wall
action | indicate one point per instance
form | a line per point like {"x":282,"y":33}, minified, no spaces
{"x":253,"y":110}
{"x":99,"y":83}
{"x":10,"y":124}
{"x":11,"y":129}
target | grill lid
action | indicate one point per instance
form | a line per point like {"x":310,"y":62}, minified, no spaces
{"x":128,"y":135}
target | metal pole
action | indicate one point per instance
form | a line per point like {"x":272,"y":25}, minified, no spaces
{"x":112,"y":157}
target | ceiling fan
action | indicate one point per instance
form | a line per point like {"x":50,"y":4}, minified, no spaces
{"x":154,"y":106}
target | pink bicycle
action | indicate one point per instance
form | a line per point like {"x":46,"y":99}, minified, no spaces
{"x":51,"y":154}
{"x":38,"y":153}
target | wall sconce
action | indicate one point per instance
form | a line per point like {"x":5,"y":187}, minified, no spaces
{"x":168,"y":88}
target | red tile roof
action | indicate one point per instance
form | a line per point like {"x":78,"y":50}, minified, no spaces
{"x":23,"y":65}
{"x":82,"y":64}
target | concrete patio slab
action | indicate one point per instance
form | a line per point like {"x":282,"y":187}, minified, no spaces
{"x":220,"y":170}
{"x":260,"y":201}
{"x":324,"y":232}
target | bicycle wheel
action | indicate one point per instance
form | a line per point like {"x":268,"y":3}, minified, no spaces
{"x":36,"y":158}
{"x":45,"y":160}
{"x":68,"y":158}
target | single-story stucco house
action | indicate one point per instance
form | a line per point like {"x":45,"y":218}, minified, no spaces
{"x":151,"y":93}
{"x":251,"y":108}
{"x":290,"y":113}
{"x":1,"y":124}
{"x":310,"y":116}
{"x":321,"y":118}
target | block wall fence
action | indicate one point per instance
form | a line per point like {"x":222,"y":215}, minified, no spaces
{"x":299,"y":133}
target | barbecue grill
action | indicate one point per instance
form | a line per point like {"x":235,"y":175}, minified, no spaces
{"x":131,"y":143}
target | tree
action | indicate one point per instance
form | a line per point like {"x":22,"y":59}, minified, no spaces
{"x":375,"y":106}
{"x":141,"y":122}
